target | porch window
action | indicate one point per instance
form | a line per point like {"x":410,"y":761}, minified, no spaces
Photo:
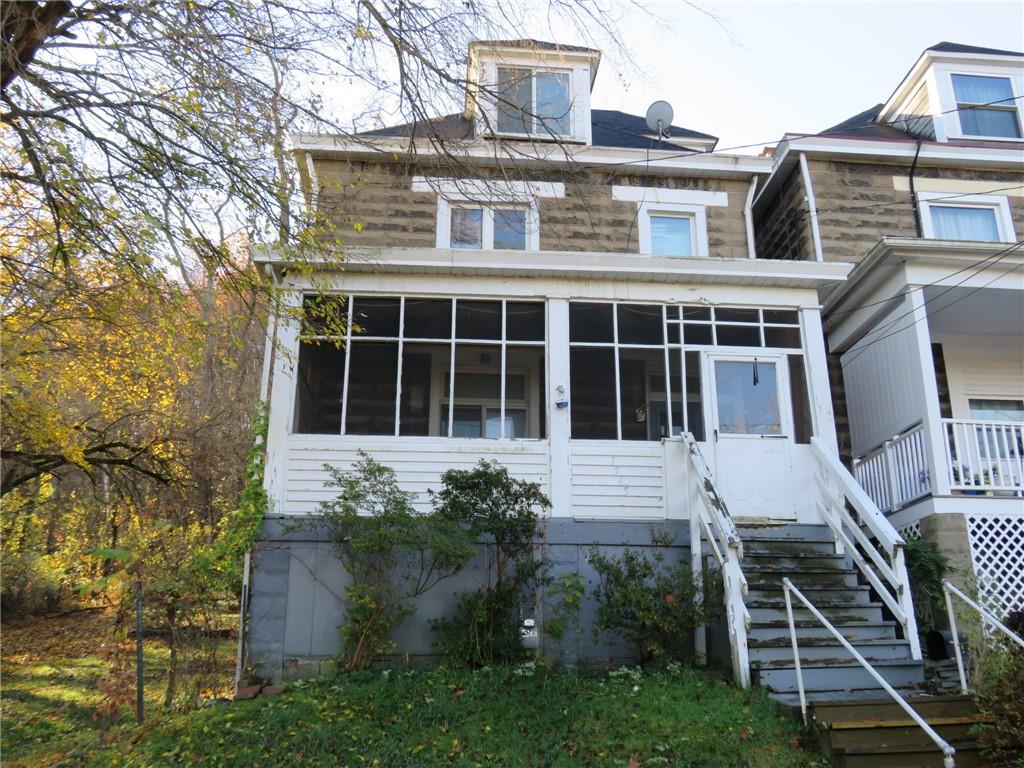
{"x":424,"y":366}
{"x":635,"y":369}
{"x":987,"y":106}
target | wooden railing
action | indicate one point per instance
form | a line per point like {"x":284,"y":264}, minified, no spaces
{"x":984,"y":455}
{"x":896,"y":473}
{"x":711,"y":521}
{"x":863,"y":532}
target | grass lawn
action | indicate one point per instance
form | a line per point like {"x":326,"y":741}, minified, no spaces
{"x":523,"y":716}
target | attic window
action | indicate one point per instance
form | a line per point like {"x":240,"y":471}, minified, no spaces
{"x":986,"y":106}
{"x":534,"y":102}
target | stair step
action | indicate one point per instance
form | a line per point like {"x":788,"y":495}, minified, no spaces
{"x":840,"y":675}
{"x":785,"y":532}
{"x":815,"y":651}
{"x":884,"y":708}
{"x":825,"y":595}
{"x":907,"y":734}
{"x":838,"y":698}
{"x":967,"y":756}
{"x":839,"y":613}
{"x":807,"y":577}
{"x":787,"y":561}
{"x":762,"y":631}
{"x":756,"y":545}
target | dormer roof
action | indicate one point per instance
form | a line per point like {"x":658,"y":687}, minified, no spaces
{"x":542,"y":47}
{"x":947,"y":47}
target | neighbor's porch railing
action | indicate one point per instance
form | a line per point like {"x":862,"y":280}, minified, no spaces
{"x":896,"y":473}
{"x":984,"y":455}
{"x":711,"y":520}
{"x":863,"y":532}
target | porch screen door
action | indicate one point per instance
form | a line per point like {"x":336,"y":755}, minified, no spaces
{"x":752,"y":434}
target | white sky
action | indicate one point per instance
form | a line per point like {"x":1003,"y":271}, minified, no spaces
{"x":793,"y":66}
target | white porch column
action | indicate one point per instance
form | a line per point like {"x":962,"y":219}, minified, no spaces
{"x":286,"y":359}
{"x":934,"y":435}
{"x":823,"y":422}
{"x":558,"y":418}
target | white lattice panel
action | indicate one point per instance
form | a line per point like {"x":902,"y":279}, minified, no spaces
{"x":911,"y":531}
{"x":997,"y":551}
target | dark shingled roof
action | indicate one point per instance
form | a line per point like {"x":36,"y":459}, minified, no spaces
{"x":610,"y":128}
{"x":530,"y":43}
{"x":946,"y":47}
{"x":863,"y":126}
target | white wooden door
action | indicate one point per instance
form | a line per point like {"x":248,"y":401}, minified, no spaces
{"x":751,"y":428}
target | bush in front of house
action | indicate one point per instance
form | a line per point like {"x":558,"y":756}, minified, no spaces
{"x":651,"y":601}
{"x":504,"y":513}
{"x":999,"y":692}
{"x":392,"y":554}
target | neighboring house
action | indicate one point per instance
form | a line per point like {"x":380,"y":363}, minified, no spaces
{"x":565,"y":292}
{"x":925,"y":193}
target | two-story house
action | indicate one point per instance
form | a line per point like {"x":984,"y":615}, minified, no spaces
{"x":925,"y":194}
{"x":582,"y":298}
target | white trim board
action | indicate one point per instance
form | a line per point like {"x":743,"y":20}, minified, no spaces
{"x":660,"y":195}
{"x":957,"y":186}
{"x":489,"y":190}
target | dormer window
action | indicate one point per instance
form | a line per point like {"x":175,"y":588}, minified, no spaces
{"x":534,"y":101}
{"x":986,"y":106}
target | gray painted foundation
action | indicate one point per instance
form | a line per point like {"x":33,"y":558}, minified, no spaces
{"x":298,"y":598}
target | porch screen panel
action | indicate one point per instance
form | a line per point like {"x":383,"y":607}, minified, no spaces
{"x":592,"y":387}
{"x":372,"y":387}
{"x":642,"y":394}
{"x":320,"y":379}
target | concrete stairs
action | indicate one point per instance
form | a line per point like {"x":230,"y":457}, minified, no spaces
{"x":876,"y":733}
{"x":806,"y":554}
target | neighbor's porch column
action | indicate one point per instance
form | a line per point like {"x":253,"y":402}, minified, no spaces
{"x":558,"y":418}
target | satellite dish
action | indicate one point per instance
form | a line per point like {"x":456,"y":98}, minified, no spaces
{"x":659,"y":117}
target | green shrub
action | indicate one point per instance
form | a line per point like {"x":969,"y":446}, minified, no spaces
{"x":999,"y":692}
{"x":391,"y":553}
{"x":32,"y":584}
{"x":503,"y":512}
{"x":927,"y":568}
{"x":651,"y":601}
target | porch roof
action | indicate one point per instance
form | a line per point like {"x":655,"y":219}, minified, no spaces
{"x":950,"y":269}
{"x":588,"y":265}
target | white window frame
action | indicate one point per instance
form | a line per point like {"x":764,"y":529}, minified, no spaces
{"x":444,"y":221}
{"x":944,"y":103}
{"x":698,"y":228}
{"x":1013,"y":106}
{"x":546,"y":133}
{"x":999,"y":204}
{"x":654,"y":201}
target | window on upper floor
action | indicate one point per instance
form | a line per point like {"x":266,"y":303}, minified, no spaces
{"x":468,"y":225}
{"x":979,"y":218}
{"x":986,"y":106}
{"x":534,"y":101}
{"x":672,"y":234}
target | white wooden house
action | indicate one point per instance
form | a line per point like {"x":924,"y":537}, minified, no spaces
{"x":583,"y":301}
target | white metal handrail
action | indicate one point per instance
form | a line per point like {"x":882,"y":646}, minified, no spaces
{"x":984,"y":455}
{"x":896,"y":473}
{"x":948,"y":590}
{"x":787,"y":588}
{"x":883,"y":564}
{"x":713,"y":521}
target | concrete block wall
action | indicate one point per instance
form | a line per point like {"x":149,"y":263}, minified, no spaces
{"x":298,"y":598}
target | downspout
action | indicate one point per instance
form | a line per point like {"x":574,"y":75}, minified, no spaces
{"x":812,"y":208}
{"x":748,"y":217}
{"x":270,"y":337}
{"x":913,"y":195}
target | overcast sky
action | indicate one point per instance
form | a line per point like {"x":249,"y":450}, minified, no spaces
{"x":766,"y":68}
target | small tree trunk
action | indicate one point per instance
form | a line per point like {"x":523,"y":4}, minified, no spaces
{"x":172,"y":662}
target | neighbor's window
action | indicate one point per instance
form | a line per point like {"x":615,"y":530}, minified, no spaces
{"x":419,"y":366}
{"x":672,"y":235}
{"x":501,"y":228}
{"x":986,"y":106}
{"x":954,"y":222}
{"x":997,"y":410}
{"x":534,"y":101}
